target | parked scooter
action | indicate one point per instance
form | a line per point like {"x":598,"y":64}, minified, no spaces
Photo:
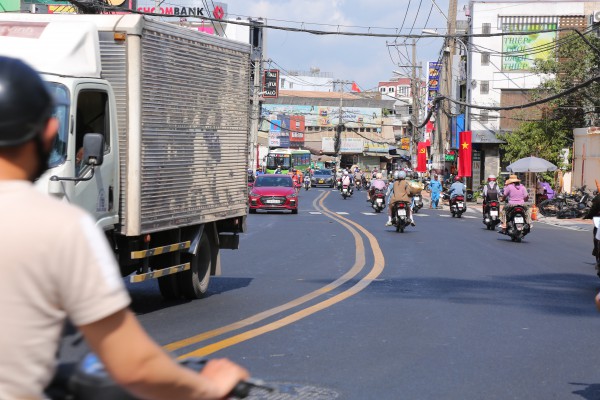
{"x":516,"y":226}
{"x":400,"y":213}
{"x":457,"y":206}
{"x":378,"y":200}
{"x":417,"y":203}
{"x":491,"y":214}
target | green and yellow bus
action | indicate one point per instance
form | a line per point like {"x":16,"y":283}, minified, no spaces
{"x":286,"y":159}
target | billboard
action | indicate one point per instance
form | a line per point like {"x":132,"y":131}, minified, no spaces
{"x":348,"y":145}
{"x":521,"y":51}
{"x":328,"y":116}
{"x":183,"y":9}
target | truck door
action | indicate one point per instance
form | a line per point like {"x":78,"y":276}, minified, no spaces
{"x":93,"y":115}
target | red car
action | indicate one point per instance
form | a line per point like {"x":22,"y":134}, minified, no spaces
{"x":273,"y":192}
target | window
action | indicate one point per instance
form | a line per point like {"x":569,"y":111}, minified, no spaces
{"x":404,"y":91}
{"x":391,"y":90}
{"x":484,"y":116}
{"x":410,"y":110}
{"x":486,"y":28}
{"x":485,"y":58}
{"x":484,"y":87}
{"x":291,"y":85}
{"x":382,"y":89}
{"x":283,"y":83}
{"x":92,"y":116}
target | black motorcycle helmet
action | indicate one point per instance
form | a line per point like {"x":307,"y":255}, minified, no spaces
{"x":25,"y":103}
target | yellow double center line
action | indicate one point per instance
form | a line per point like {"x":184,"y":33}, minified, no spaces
{"x":359,"y":264}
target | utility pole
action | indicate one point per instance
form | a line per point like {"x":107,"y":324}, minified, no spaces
{"x":443,"y":122}
{"x":256,"y":40}
{"x":337,"y":140}
{"x":415,"y":91}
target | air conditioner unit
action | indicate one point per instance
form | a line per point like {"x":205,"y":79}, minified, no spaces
{"x":596,"y":17}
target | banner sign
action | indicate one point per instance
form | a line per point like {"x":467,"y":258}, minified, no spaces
{"x":348,"y":145}
{"x":433,"y":81}
{"x":465,"y":153}
{"x":405,"y":144}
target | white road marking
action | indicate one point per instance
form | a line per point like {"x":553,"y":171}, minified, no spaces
{"x":421,"y":215}
{"x":341,"y":213}
{"x":315,"y":213}
{"x":368,"y":213}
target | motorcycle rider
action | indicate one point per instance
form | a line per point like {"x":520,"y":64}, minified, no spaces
{"x":69,"y":272}
{"x":347,"y":181}
{"x":397,"y":192}
{"x":376,"y":184}
{"x":457,"y":188}
{"x":358,"y":177}
{"x":515,"y":194}
{"x":491,"y":191}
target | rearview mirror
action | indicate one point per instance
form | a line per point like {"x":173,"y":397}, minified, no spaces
{"x":93,"y":149}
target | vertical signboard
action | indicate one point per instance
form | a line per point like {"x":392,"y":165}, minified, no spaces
{"x":271,"y":84}
{"x":433,"y":81}
{"x":297,"y":126}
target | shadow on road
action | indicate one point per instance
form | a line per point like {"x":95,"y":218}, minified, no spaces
{"x":589,"y":392}
{"x":561,"y":294}
{"x":146,"y":298}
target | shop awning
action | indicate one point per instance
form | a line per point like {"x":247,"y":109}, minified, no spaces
{"x":485,"y":137}
{"x":375,"y":154}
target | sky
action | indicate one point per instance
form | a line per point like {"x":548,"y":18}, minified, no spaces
{"x":364,"y":60}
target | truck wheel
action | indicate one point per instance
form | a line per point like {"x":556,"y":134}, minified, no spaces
{"x":193,"y":283}
{"x":168,"y":287}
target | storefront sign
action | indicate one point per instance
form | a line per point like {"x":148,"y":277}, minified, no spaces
{"x":271,"y":84}
{"x":348,"y":145}
{"x":433,"y":80}
{"x":405,"y":144}
{"x":521,"y":51}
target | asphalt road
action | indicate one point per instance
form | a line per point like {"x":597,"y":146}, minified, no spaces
{"x":330,"y":303}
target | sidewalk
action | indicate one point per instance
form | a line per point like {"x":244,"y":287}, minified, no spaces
{"x":576,"y":224}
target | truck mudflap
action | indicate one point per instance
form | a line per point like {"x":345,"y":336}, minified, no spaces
{"x":159,"y":273}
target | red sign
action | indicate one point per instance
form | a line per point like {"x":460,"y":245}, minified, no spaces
{"x":297,"y":127}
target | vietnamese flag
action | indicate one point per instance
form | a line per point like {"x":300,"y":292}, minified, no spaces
{"x":421,"y":157}
{"x":464,"y":154}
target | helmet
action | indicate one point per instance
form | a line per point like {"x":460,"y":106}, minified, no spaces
{"x":399,"y":174}
{"x":25,"y":103}
{"x":379,"y":176}
{"x":492,"y":178}
{"x":457,"y":178}
{"x":345,"y":172}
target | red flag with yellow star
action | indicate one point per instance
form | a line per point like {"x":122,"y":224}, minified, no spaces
{"x":421,"y":157}
{"x":465,"y":153}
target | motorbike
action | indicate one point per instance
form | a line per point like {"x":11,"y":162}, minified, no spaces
{"x":457,"y":206}
{"x":338,"y":184}
{"x":516,"y":226}
{"x":378,"y":200}
{"x":400,"y":215}
{"x":417,"y":202}
{"x":89,"y":380}
{"x":346,"y":191}
{"x":358,"y":184}
{"x":306,"y":183}
{"x":491,"y":214}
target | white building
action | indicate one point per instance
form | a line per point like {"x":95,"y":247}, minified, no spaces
{"x":501,"y":66}
{"x":313,"y":81}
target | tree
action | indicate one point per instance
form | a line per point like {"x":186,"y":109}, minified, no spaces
{"x":544,"y":139}
{"x":573,"y":62}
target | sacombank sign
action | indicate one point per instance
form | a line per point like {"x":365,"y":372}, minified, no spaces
{"x":183,"y":8}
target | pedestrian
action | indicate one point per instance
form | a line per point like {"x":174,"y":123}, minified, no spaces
{"x":70,"y":272}
{"x":436,"y":189}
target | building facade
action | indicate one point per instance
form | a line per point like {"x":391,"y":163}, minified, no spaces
{"x":500,"y":70}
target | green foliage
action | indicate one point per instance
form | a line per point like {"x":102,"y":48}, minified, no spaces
{"x":543,"y":139}
{"x":573,"y":63}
